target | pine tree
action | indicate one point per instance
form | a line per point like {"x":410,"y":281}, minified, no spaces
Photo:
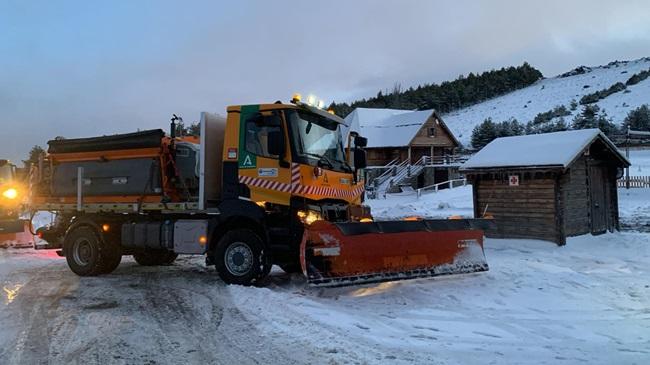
{"x":638,"y":119}
{"x":34,"y":154}
{"x":484,"y":133}
{"x":587,"y":118}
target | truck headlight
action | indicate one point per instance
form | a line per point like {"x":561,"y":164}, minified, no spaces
{"x":10,"y":193}
{"x":308,"y":217}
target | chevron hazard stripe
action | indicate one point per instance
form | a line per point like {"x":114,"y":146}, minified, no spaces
{"x":297,"y":188}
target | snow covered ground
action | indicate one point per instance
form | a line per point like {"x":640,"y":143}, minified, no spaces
{"x":546,"y":94}
{"x":539,"y":304}
{"x":640,"y":162}
{"x":445,"y":203}
{"x":587,"y":302}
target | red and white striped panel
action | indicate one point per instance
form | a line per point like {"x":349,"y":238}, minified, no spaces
{"x":265,"y":184}
{"x":296,"y":188}
{"x":295,"y":177}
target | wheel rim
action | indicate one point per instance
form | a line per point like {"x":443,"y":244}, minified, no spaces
{"x":82,"y":252}
{"x":239,"y":258}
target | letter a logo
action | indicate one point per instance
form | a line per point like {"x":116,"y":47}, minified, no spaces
{"x":247,"y":161}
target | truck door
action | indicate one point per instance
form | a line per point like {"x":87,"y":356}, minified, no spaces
{"x":263,"y":165}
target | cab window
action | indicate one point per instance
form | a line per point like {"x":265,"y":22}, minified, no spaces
{"x":257,"y":130}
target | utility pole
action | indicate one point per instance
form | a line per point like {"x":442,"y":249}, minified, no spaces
{"x":627,"y":155}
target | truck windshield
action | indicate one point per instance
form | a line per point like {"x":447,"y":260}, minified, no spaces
{"x":6,"y":174}
{"x":316,"y":140}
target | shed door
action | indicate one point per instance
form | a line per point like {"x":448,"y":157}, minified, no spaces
{"x":599,"y":207}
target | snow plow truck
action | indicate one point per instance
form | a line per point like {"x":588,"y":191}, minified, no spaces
{"x":14,"y":232}
{"x":269,"y":184}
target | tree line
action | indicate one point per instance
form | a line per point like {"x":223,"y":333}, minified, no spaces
{"x":449,"y":95}
{"x":591,"y":116}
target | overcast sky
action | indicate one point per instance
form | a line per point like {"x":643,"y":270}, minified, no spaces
{"x":85,"y":68}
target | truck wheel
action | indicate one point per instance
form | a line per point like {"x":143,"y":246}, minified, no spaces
{"x":85,"y":252}
{"x":112,"y":260}
{"x":238,"y":257}
{"x":155,"y":258}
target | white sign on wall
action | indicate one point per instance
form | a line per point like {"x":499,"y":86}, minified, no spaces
{"x":513,"y":180}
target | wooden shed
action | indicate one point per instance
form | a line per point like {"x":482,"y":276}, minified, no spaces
{"x":548,"y":186}
{"x":402,"y":134}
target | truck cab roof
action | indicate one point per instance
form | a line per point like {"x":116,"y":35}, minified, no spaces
{"x":297,"y":106}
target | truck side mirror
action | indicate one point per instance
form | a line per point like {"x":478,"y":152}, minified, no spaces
{"x":360,"y":141}
{"x":360,"y":160}
{"x":275,"y":143}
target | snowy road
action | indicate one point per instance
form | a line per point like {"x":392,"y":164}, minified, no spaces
{"x":171,"y":315}
{"x":587,"y":302}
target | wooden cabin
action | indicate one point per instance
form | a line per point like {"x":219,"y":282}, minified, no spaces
{"x":402,"y":134}
{"x":548,"y":186}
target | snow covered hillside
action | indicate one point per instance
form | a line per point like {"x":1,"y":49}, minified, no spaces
{"x":546,"y":94}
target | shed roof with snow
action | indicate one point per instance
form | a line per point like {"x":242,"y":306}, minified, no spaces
{"x":555,"y":150}
{"x":390,"y":127}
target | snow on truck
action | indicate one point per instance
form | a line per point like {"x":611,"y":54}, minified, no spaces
{"x":269,"y":184}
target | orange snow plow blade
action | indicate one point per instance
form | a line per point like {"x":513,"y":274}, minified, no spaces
{"x":15,"y":233}
{"x":337,"y":254}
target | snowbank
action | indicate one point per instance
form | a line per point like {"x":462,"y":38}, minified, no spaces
{"x":443,"y":204}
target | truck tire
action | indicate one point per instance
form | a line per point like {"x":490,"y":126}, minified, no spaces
{"x":112,"y":261}
{"x":239,"y":257}
{"x":87,"y":254}
{"x":155,"y":258}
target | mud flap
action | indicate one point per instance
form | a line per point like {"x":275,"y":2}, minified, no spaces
{"x":337,"y":254}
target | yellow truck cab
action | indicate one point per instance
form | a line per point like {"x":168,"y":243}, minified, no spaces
{"x":291,"y":160}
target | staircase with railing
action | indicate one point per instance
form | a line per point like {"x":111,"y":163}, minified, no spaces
{"x":398,"y":174}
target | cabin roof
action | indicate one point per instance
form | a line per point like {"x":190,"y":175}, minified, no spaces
{"x":389,"y":127}
{"x":556,"y":150}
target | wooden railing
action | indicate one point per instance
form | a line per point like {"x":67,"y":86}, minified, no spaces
{"x":635,"y":182}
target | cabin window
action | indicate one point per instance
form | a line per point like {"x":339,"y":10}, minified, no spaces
{"x":431,"y":131}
